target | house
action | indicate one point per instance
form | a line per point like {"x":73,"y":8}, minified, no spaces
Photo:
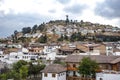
{"x":2,"y":56}
{"x":16,"y":56}
{"x":54,"y":72}
{"x":115,"y":29}
{"x":27,"y":35}
{"x":68,"y":49}
{"x":112,"y":49}
{"x":36,"y":35}
{"x":116,"y":51}
{"x":84,"y":31}
{"x":49,"y":48}
{"x":109,"y":49}
{"x":2,"y":66}
{"x":83,"y":49}
{"x":50,"y":51}
{"x":92,"y":48}
{"x":105,"y":63}
{"x":108,"y":75}
{"x":19,"y":34}
{"x":36,"y":48}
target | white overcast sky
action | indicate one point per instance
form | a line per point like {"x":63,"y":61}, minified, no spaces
{"x":16,"y":14}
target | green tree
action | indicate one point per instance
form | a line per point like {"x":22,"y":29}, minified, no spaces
{"x":43,"y":39}
{"x":24,"y":72}
{"x":26,"y":30}
{"x":10,"y":75}
{"x":61,"y":38}
{"x":59,"y":62}
{"x":41,"y":27}
{"x":18,"y":65}
{"x":73,"y":37}
{"x":87,"y":67}
{"x":34,"y":29}
{"x":15,"y":35}
{"x":18,"y":72}
{"x":34,"y":69}
{"x":24,"y":39}
{"x":66,"y":37}
{"x":3,"y":76}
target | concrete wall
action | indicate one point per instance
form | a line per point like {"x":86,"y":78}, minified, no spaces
{"x":62,"y":76}
{"x":107,"y":76}
{"x":59,"y":76}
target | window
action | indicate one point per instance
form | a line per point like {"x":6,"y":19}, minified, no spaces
{"x":101,"y":79}
{"x":90,"y":48}
{"x":45,"y":74}
{"x":74,"y":65}
{"x":53,"y":75}
{"x":59,"y":74}
{"x":15,"y":56}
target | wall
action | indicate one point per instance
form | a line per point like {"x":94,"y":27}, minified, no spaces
{"x":62,"y":76}
{"x":107,"y":76}
{"x":59,"y":76}
{"x":49,"y":77}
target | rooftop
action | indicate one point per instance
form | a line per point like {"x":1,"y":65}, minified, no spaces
{"x":54,"y":68}
{"x":97,"y":58}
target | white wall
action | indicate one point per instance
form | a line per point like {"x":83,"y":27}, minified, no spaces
{"x":51,"y":56}
{"x":1,"y":52}
{"x":117,"y":53}
{"x":109,"y":50}
{"x":70,"y":73}
{"x":107,"y":76}
{"x":60,"y":76}
{"x":49,"y":77}
{"x":48,"y":49}
{"x":16,"y":56}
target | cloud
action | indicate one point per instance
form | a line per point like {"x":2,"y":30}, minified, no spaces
{"x":63,"y":1}
{"x":16,"y":14}
{"x":11,"y":22}
{"x":52,"y":11}
{"x":74,"y":9}
{"x":109,"y":9}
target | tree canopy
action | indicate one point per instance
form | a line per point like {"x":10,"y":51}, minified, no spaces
{"x":43,"y":39}
{"x":21,"y":70}
{"x":26,"y":30}
{"x":87,"y":67}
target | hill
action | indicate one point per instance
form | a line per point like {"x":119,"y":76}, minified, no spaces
{"x":67,"y":30}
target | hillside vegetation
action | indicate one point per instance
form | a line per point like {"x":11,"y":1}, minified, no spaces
{"x":68,"y":31}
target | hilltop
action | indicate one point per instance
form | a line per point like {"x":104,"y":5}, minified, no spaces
{"x":68,"y":31}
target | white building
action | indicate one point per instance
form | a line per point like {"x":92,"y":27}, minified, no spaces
{"x":16,"y":56}
{"x":50,"y":48}
{"x":109,"y":49}
{"x":3,"y":56}
{"x":108,"y":75}
{"x":49,"y":51}
{"x":54,"y":72}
